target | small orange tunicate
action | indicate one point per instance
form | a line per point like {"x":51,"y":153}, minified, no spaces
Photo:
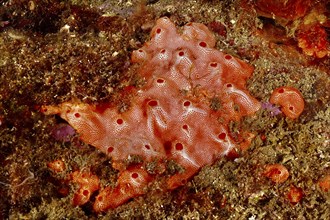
{"x":57,"y":166}
{"x":295,"y":194}
{"x":324,"y":183}
{"x":290,"y":99}
{"x":276,"y":172}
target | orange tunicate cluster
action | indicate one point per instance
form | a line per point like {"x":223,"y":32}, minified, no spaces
{"x":88,"y":184}
{"x":131,"y":183}
{"x":170,"y":118}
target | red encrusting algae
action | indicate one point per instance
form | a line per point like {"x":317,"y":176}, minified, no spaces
{"x":314,"y":41}
{"x":170,"y":116}
{"x":307,"y":19}
{"x":288,"y":9}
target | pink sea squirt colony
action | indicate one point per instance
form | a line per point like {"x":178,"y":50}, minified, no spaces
{"x":170,"y":118}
